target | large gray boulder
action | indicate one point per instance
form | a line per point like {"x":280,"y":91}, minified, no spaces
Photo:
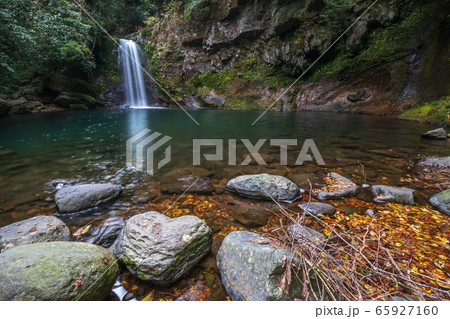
{"x":337,"y":186}
{"x":160,"y":249}
{"x":389,"y":194}
{"x":252,"y":269}
{"x":441,"y":202}
{"x":437,"y":134}
{"x":264,"y":186}
{"x":33,"y":230}
{"x":80,"y":197}
{"x":57,"y":271}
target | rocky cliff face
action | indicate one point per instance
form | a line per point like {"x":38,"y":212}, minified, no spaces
{"x":245,"y":54}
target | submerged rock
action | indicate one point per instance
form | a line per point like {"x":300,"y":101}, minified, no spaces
{"x":251,"y":216}
{"x":185,"y":172}
{"x":389,"y":194}
{"x":303,"y":180}
{"x":264,"y":186}
{"x":437,"y":134}
{"x":160,"y":249}
{"x":441,"y":202}
{"x":106,"y":234}
{"x":80,"y":197}
{"x":318,"y":209}
{"x":302,"y":233}
{"x":348,"y":209}
{"x":198,"y":292}
{"x":57,"y":271}
{"x":143,"y":196}
{"x":194,"y":180}
{"x":189,"y":185}
{"x":33,"y":230}
{"x":252,"y":269}
{"x":337,"y":186}
{"x":436,"y":162}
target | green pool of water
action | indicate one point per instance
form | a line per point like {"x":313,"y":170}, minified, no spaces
{"x":89,"y":146}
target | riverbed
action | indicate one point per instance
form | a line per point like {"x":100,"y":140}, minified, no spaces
{"x":41,"y":152}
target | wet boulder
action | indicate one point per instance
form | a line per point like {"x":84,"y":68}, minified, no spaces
{"x":211,"y":99}
{"x":106,"y":234}
{"x":389,"y":194}
{"x":264,"y":186}
{"x":57,"y":271}
{"x":80,"y":197}
{"x":337,"y":186}
{"x":60,"y":83}
{"x":33,"y":230}
{"x":160,"y":249}
{"x":318,"y":209}
{"x":67,"y":99}
{"x":441,"y":202}
{"x":252,"y":269}
{"x":437,"y":134}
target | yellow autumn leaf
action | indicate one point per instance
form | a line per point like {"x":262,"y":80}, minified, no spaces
{"x":150,"y":296}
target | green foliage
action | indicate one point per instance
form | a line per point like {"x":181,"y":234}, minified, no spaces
{"x":190,"y":5}
{"x":153,"y":57}
{"x":213,"y":80}
{"x":384,"y":45}
{"x":178,"y":55}
{"x":336,"y":14}
{"x":436,"y":111}
{"x":242,"y":103}
{"x":392,"y":42}
{"x":77,"y":55}
{"x":39,"y":37}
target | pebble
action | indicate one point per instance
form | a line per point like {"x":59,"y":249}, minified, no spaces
{"x":370,"y":213}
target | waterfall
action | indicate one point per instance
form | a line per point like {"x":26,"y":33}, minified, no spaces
{"x":133,"y":78}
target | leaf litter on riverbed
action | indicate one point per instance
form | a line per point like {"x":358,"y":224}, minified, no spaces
{"x":416,"y":237}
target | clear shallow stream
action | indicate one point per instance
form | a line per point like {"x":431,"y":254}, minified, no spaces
{"x":89,"y":146}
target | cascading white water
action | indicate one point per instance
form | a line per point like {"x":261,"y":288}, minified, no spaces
{"x":130,"y":62}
